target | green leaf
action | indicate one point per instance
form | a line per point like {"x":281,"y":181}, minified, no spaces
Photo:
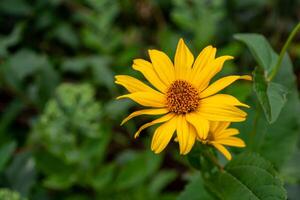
{"x":194,"y":190}
{"x":66,"y":151}
{"x":5,"y":153}
{"x":277,"y":95}
{"x":15,"y":7}
{"x":58,"y":174}
{"x":291,"y":171}
{"x":99,"y":66}
{"x":22,"y":178}
{"x":260,"y":49}
{"x":10,"y":40}
{"x":272,"y":96}
{"x":248,"y":176}
{"x":277,"y":141}
{"x":60,"y":181}
{"x":198,"y":18}
{"x":6,"y":194}
{"x":103,"y":177}
{"x":58,"y":129}
{"x":50,"y":164}
{"x":65,"y":34}
{"x":161,"y":180}
{"x":25,"y":62}
{"x":136,"y":170}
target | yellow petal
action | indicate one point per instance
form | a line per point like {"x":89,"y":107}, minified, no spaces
{"x":202,"y":79}
{"x":222,"y":99}
{"x":132,"y":84}
{"x":163,"y":66}
{"x":183,"y":60}
{"x":163,"y":135}
{"x":206,"y":56}
{"x":145,"y":112}
{"x":223,"y":150}
{"x":222,"y":113}
{"x":227,"y":133}
{"x":231,"y":141}
{"x":217,"y":126}
{"x":191,"y":139}
{"x":221,"y":107}
{"x":150,"y":99}
{"x":149,"y":73}
{"x":221,"y":84}
{"x":201,"y":124}
{"x":156,"y":121}
{"x":186,"y":135}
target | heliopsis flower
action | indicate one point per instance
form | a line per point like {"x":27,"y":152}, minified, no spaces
{"x":220,"y":135}
{"x":182,"y":95}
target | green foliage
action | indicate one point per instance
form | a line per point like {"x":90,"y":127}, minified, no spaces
{"x":70,"y":143}
{"x":136,"y":170}
{"x":12,"y":39}
{"x":71,"y":133}
{"x":60,"y":136}
{"x":261,"y":50}
{"x":199,"y":18}
{"x":282,"y":133}
{"x":5,"y":153}
{"x":247,"y":176}
{"x":21,"y":179}
{"x":6,"y":194}
{"x":195,"y":190}
{"x":272,"y":96}
{"x":99,"y":66}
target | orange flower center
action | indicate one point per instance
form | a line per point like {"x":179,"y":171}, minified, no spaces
{"x":182,"y":97}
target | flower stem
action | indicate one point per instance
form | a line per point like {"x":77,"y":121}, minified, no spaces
{"x":282,"y":52}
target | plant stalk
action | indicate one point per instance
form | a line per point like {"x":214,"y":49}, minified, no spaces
{"x":282,"y":52}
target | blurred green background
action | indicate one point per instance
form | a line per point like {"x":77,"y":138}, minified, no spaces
{"x":60,"y":136}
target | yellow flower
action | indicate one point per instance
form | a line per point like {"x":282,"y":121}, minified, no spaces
{"x":183,"y":95}
{"x":220,"y":135}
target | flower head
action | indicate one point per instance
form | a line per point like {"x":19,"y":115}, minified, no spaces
{"x":182,"y":95}
{"x":220,"y":135}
